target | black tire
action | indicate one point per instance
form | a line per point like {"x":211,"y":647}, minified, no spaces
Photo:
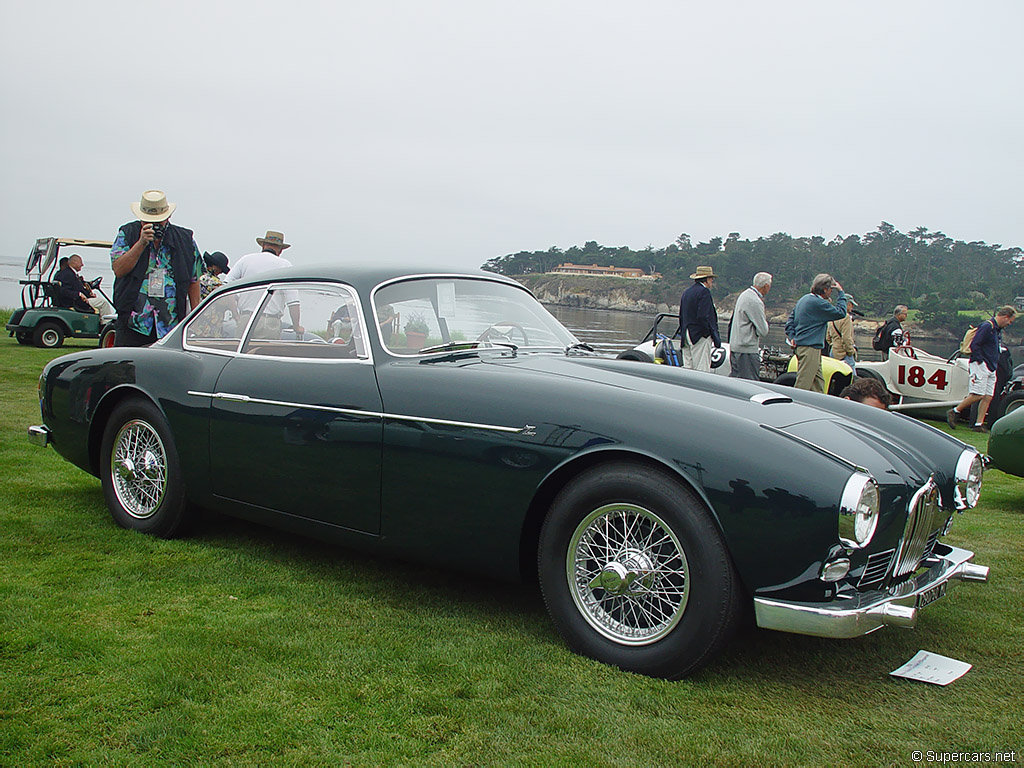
{"x":867,"y":373}
{"x":635,"y":356}
{"x":23,"y":337}
{"x":1009,"y":403}
{"x":48,"y":335}
{"x":668,"y":606}
{"x":107,"y":336}
{"x":140,"y":471}
{"x":787,"y":379}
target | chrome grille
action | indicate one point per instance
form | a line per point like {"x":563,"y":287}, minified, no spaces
{"x":925,"y":521}
{"x":876,"y":567}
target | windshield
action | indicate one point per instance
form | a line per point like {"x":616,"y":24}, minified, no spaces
{"x":422,"y":315}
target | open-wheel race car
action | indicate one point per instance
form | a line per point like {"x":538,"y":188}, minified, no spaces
{"x":777,"y":365}
{"x":656,"y":506}
{"x":926,"y":384}
{"x":41,"y":320}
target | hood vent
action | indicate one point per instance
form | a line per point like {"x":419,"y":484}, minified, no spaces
{"x":767,"y":398}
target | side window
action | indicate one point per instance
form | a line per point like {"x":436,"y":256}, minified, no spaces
{"x":308,"y":321}
{"x":219,"y":325}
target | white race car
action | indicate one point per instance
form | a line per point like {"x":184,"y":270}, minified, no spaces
{"x":919,"y":381}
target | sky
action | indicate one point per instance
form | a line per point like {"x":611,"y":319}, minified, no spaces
{"x":453,"y":131}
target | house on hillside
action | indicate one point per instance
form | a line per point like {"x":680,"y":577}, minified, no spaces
{"x":568,"y":268}
{"x":1018,"y":303}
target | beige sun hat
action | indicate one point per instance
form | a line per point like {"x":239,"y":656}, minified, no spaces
{"x":273,"y":238}
{"x":153,"y":206}
{"x":703,"y":272}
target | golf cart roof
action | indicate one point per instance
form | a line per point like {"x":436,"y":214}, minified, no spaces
{"x":62,"y":241}
{"x":44,"y":252}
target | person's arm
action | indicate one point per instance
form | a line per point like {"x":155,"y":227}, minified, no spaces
{"x":193,"y":295}
{"x":759,"y":319}
{"x":791,"y":325}
{"x":195,"y":292}
{"x":125,"y":262}
{"x":294,"y":310}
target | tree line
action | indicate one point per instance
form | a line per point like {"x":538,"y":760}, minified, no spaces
{"x":925,"y":270}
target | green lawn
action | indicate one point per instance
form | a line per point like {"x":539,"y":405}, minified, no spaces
{"x":242,"y":646}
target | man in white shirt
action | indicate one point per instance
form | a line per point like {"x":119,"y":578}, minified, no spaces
{"x":269,"y":258}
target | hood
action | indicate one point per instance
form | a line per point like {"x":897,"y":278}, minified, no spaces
{"x":894,"y":448}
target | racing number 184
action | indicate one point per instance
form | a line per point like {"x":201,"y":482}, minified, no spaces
{"x":914,"y":376}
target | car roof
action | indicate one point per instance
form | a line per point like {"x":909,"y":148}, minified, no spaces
{"x":364,"y":276}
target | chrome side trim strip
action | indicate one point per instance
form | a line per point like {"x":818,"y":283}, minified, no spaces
{"x":528,"y":429}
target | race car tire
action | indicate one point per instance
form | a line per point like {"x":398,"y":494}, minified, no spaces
{"x":786,"y":380}
{"x":1009,"y":403}
{"x":634,"y":355}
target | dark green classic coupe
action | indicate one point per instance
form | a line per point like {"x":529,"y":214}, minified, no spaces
{"x":446,"y":417}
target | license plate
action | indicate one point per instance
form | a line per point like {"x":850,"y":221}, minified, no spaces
{"x":930,"y":595}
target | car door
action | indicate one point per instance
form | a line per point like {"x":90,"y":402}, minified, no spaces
{"x":296,"y":422}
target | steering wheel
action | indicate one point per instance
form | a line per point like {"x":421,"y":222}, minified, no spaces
{"x":95,"y":283}
{"x":492,"y":333}
{"x":906,"y":350}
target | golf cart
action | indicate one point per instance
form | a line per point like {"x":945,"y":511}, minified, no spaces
{"x":40,"y":320}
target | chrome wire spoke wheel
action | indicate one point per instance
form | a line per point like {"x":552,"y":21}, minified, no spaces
{"x":138,"y":468}
{"x":628,"y":574}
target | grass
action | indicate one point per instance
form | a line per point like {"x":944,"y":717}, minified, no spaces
{"x":244,"y":646}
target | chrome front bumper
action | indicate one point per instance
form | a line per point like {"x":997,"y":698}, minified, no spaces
{"x":864,"y":612}
{"x":39,"y":436}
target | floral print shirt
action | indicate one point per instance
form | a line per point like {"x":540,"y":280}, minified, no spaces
{"x":156,"y":309}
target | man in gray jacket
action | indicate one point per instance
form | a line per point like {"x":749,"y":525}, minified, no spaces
{"x":749,"y":326}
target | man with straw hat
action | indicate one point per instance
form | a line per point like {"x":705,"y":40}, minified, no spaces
{"x":698,"y":321}
{"x":156,"y":272}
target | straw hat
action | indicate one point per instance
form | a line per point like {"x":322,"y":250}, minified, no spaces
{"x":153,"y":206}
{"x":703,"y":272}
{"x":273,"y":238}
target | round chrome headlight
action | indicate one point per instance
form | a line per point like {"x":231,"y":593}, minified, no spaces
{"x":858,"y":511}
{"x":967,"y":489}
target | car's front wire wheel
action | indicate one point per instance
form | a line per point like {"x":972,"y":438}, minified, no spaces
{"x":140,"y":471}
{"x":635,"y":573}
{"x":627,"y":573}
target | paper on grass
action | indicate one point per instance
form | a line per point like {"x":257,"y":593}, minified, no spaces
{"x":932,"y":668}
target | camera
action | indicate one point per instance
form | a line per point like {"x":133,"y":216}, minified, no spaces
{"x":159,"y":229}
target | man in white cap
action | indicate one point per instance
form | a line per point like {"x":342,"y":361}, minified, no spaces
{"x":269,"y":258}
{"x":156,"y":272}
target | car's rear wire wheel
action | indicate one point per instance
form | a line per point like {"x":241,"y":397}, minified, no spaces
{"x":635,"y":573}
{"x":140,"y":471}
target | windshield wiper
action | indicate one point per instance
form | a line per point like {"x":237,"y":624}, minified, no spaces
{"x":579,"y":346}
{"x":450,"y":346}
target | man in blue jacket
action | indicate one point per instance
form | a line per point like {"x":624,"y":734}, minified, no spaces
{"x":698,"y":321}
{"x":982,"y":367}
{"x":805,"y":329}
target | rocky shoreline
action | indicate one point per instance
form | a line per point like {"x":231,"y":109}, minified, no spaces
{"x":628,"y":298}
